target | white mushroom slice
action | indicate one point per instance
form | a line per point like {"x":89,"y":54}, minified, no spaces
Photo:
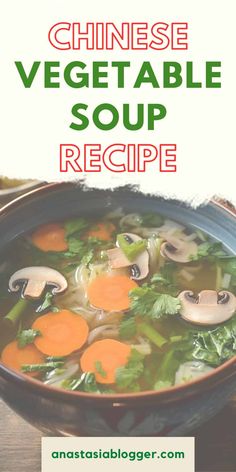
{"x":117,"y":258}
{"x":178,"y":250}
{"x":209,"y":308}
{"x":139,"y":267}
{"x":35,"y":279}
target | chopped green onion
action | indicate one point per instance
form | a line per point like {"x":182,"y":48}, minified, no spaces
{"x":131,"y":250}
{"x":153,"y":335}
{"x":41,"y":367}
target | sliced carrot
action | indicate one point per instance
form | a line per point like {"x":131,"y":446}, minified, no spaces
{"x":14,"y":357}
{"x":61,"y":333}
{"x":101,"y":231}
{"x":111,"y":292}
{"x":50,"y":237}
{"x":103,"y":358}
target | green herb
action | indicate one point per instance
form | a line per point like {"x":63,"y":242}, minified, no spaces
{"x":41,"y":367}
{"x":176,"y":338}
{"x":15,"y":313}
{"x":75,"y":225}
{"x":72,"y":384}
{"x":86,"y":383}
{"x":99,"y":369}
{"x":131,"y":372}
{"x":128,"y":328}
{"x":164,"y":283}
{"x":131,"y":250}
{"x":27,"y":336}
{"x":55,"y":358}
{"x":152,"y":219}
{"x":87,"y":258}
{"x":209,"y":250}
{"x":148,"y":303}
{"x":152,"y":334}
{"x":75,"y":246}
{"x":47,"y":303}
{"x":170,"y":363}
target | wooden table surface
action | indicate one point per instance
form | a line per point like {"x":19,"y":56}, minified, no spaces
{"x":215,"y":443}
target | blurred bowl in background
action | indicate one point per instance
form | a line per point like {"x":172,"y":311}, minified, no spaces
{"x":12,"y":188}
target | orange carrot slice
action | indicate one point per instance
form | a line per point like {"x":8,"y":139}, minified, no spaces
{"x":101,"y":231}
{"x":103,"y":358}
{"x":111,"y":292}
{"x":14,"y":357}
{"x":50,"y":238}
{"x":61,"y":333}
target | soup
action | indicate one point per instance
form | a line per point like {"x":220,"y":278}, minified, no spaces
{"x":126,"y":303}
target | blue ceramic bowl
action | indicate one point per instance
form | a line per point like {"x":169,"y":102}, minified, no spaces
{"x":174,"y":411}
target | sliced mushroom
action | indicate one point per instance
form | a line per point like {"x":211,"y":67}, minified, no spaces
{"x":139,"y":268}
{"x":35,"y":279}
{"x":178,"y":250}
{"x":117,"y":258}
{"x":208,"y":308}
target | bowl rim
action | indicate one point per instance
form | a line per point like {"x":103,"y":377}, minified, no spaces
{"x":19,"y":188}
{"x":166,"y":394}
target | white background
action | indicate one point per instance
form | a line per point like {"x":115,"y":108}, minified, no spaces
{"x":201,"y":121}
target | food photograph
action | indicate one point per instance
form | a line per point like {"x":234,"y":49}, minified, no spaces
{"x":117,"y":237}
{"x":117,"y":312}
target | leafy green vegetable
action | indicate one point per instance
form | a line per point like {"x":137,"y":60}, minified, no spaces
{"x":152,"y":219}
{"x":147,"y":302}
{"x":75,"y":225}
{"x":128,"y":375}
{"x":210,"y":250}
{"x":128,"y":328}
{"x":164,"y":283}
{"x":75,"y":245}
{"x":99,"y":369}
{"x":27,"y":336}
{"x":217,"y":345}
{"x":86,"y":383}
{"x":131,"y":250}
{"x":41,"y":367}
{"x":170,"y":363}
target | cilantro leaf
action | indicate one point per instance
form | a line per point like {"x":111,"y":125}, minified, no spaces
{"x":128,"y":375}
{"x":164,"y":283}
{"x":212,"y":250}
{"x":27,"y":336}
{"x":75,"y":246}
{"x":147,"y":302}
